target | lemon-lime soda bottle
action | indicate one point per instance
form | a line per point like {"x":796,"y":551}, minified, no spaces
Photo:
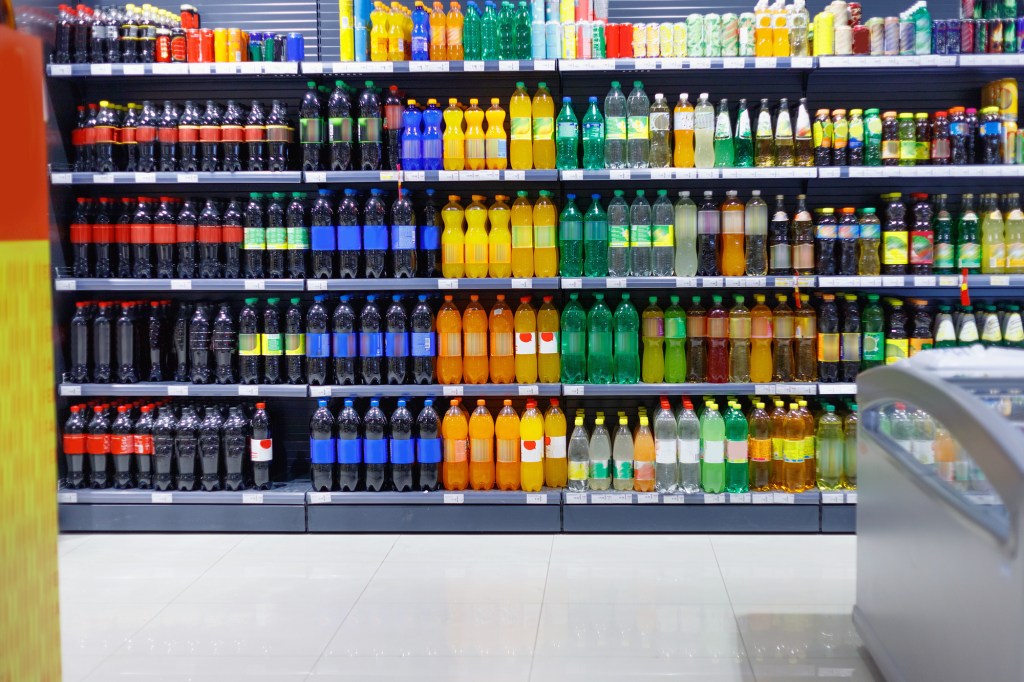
{"x":675,"y":342}
{"x":496,"y":142}
{"x":454,"y":139}
{"x":653,"y":325}
{"x":543,"y":112}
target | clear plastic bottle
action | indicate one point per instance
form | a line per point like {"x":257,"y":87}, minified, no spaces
{"x":685,"y":227}
{"x":593,"y":137}
{"x":704,"y":133}
{"x":570,"y":239}
{"x":662,"y":236}
{"x":599,"y":472}
{"x":567,"y":140}
{"x":739,"y":342}
{"x":619,"y":261}
{"x":660,"y":133}
{"x":688,"y":449}
{"x":622,"y":456}
{"x":666,"y":467}
{"x":640,"y":236}
{"x":755,"y":228}
{"x":709,"y":231}
{"x":578,"y":456}
{"x":615,"y":128}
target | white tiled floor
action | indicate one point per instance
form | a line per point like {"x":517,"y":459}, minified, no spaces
{"x":449,"y":608}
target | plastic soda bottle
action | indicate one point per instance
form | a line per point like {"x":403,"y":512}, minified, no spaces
{"x":595,"y":239}
{"x":615,"y":128}
{"x":453,"y":239}
{"x":968,"y":249}
{"x":522,"y":236}
{"x":733,"y":214}
{"x":567,"y":142}
{"x":696,"y":342}
{"x":455,"y":434}
{"x":495,"y":140}
{"x":830,"y":450}
{"x":688,"y":449}
{"x":600,"y":368}
{"x":805,"y":328}
{"x":421,"y":44}
{"x":481,"y":448}
{"x":712,"y":441}
{"x":428,"y":446}
{"x":578,"y":455}
{"x":793,"y":480}
{"x":666,"y":474}
{"x":438,"y":33}
{"x":555,"y":465}
{"x":675,"y":340}
{"x":570,"y":239}
{"x":622,"y":456}
{"x":454,"y":138}
{"x":653,"y":368}
{"x":433,"y":141}
{"x":526,"y":342}
{"x":685,"y":226}
{"x":640,"y":236}
{"x":599,"y":468}
{"x":499,"y":240}
{"x":476,"y":238}
{"x":593,"y":137}
{"x":471,"y":32}
{"x":627,"y":352}
{"x":683,"y":130}
{"x":755,"y":226}
{"x":476,"y":154}
{"x":474,"y":342}
{"x":619,"y":261}
{"x":531,"y":450}
{"x":489,"y":36}
{"x":709,"y":230}
{"x":739,"y":342}
{"x":662,"y":236}
{"x":643,"y":456}
{"x":759,"y":448}
{"x":449,"y":347}
{"x":638,"y":134}
{"x":548,"y":362}
{"x":545,"y":236}
{"x":659,"y":128}
{"x":869,"y":243}
{"x":543,"y":112}
{"x":350,"y":448}
{"x":873,"y":334}
{"x":737,"y":466}
{"x":704,"y":133}
{"x":375,"y":447}
{"x":502,"y":359}
{"x":810,"y":439}
{"x":454,"y":25}
{"x":724,"y":146}
{"x":761,"y":341}
{"x":573,"y":357}
{"x":520,"y":110}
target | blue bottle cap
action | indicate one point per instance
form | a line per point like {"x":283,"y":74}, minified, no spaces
{"x":320,"y":298}
{"x":374,"y":403}
{"x":322,"y":403}
{"x":396,"y":297}
{"x":570,"y":196}
{"x":428,"y":402}
{"x":401,"y":403}
{"x":348,"y":403}
{"x":566,"y":100}
{"x":350,"y":192}
{"x":345,"y":298}
{"x":371,"y":298}
{"x":592,"y":100}
{"x":324,"y":192}
{"x":595,"y":197}
{"x":422,"y":297}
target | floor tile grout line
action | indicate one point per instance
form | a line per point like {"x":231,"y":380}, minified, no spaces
{"x":540,"y":614}
{"x":732,"y":608}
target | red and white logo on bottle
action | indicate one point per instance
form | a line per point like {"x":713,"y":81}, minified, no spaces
{"x":554,"y":447}
{"x":261,"y":450}
{"x":97,"y":444}
{"x":548,"y":343}
{"x":531,"y":450}
{"x":74,"y":444}
{"x":122,"y":444}
{"x":144,"y":445}
{"x":526,"y":343}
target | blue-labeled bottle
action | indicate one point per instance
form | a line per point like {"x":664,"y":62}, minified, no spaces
{"x":322,"y":448}
{"x":428,"y":447}
{"x":403,"y":237}
{"x":375,"y":234}
{"x":412,"y":137}
{"x":420,"y":34}
{"x":323,"y":234}
{"x":396,"y":342}
{"x":371,"y":343}
{"x":350,"y":448}
{"x":344,"y":342}
{"x":433,"y":146}
{"x":375,"y":447}
{"x":350,"y":236}
{"x":318,"y":342}
{"x":423,"y":342}
{"x":403,"y":450}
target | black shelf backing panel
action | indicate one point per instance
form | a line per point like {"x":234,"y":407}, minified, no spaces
{"x":444,"y":518}
{"x":900,"y":89}
{"x":838,"y":518}
{"x":174,"y":518}
{"x":690,"y":518}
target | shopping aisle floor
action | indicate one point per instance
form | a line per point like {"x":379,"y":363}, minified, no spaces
{"x":448,"y":608}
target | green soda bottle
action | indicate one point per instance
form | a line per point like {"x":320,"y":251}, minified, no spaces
{"x":724,"y":151}
{"x":567,"y":138}
{"x":872,"y":138}
{"x":627,"y":343}
{"x":574,"y":342}
{"x":968,"y":245}
{"x":737,"y":469}
{"x":593,"y":137}
{"x":744,"y":142}
{"x":712,"y":449}
{"x":570,"y":239}
{"x":471,"y":32}
{"x":831,"y":450}
{"x":945,"y":240}
{"x":675,"y":343}
{"x":489,"y":32}
{"x":595,"y":239}
{"x":872,"y":325}
{"x":600,"y":369}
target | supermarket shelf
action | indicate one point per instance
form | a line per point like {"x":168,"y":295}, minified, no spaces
{"x":359,"y":68}
{"x":838,"y":512}
{"x":428,"y":284}
{"x":115,"y":284}
{"x":691,"y":63}
{"x":615,"y":390}
{"x":293,"y":492}
{"x":890,"y":62}
{"x":432,"y":390}
{"x":688,"y":174}
{"x":548,"y":496}
{"x":176,"y":69}
{"x":165,"y":388}
{"x":217,"y":178}
{"x":362,"y":177}
{"x":684,"y":282}
{"x":906,"y":172}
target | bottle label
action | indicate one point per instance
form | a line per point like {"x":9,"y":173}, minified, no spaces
{"x":1015,"y":255}
{"x":526,"y":343}
{"x":623,"y":469}
{"x":736,"y":451}
{"x":688,"y":451}
{"x":74,"y":444}
{"x":506,"y":450}
{"x":593,"y":131}
{"x":856,"y":133}
{"x":827,"y":230}
{"x":761,"y":327}
{"x":271,"y":344}
{"x":683,"y":120}
{"x":343,"y":344}
{"x":896,"y":349}
{"x":850,"y":348}
{"x":522,"y":236}
{"x":318,"y":345}
{"x":554,"y":447}
{"x":122,"y":444}
{"x":531,"y":450}
{"x":310,"y":131}
{"x":294,"y":344}
{"x":822,"y":134}
{"x":567,"y":130}
{"x":618,"y":236}
{"x":732,"y":222}
{"x":476,"y":148}
{"x":543,"y":128}
{"x":714,"y":451}
{"x":375,"y":237}
{"x":996,"y":258}
{"x":781,"y":257}
{"x":828,"y":347}
{"x":547,"y":343}
{"x":705,"y":120}
{"x":922,"y":248}
{"x":369,"y":130}
{"x":990,"y":332}
{"x":870,"y":230}
{"x":322,"y":451}
{"x":908,"y":150}
{"x":277,"y":239}
{"x":349,"y":238}
{"x":968,"y":332}
{"x":918,"y":345}
{"x":255,"y":239}
{"x":396,"y":344}
{"x":665,"y":451}
{"x":450,"y":344}
{"x":253,"y":134}
{"x":544,"y":237}
{"x":793,"y":451}
{"x":944,"y":331}
{"x":186,"y":133}
{"x":375,"y":451}
{"x":675,"y":328}
{"x":143,"y":444}
{"x":475,"y":344}
{"x":248,"y":344}
{"x":298,"y":238}
{"x":739,"y":328}
{"x":502,"y":344}
{"x":662,"y":235}
{"x":958,"y":129}
{"x":626,"y":343}
{"x":598,"y":469}
{"x":455,"y":450}
{"x":402,"y":451}
{"x":403,"y":237}
{"x":639,"y":235}
{"x":371,"y":344}
{"x":595,"y":230}
{"x":521,"y":128}
{"x":890,"y":149}
{"x":849,"y":230}
{"x":708,"y":222}
{"x":940,"y":148}
{"x":760,"y":450}
{"x":895,"y":248}
{"x":840,"y":133}
{"x":430,"y":237}
{"x":777,"y":447}
{"x":874,"y":346}
{"x":350,"y":451}
{"x":339,"y":130}
{"x":809,"y":447}
{"x":570,"y":230}
{"x":969,"y":256}
{"x":615,"y":128}
{"x":261,"y":449}
{"x":1014,"y":329}
{"x":577,"y":471}
{"x":422,"y":344}
{"x":428,"y":450}
{"x":496,"y":148}
{"x":280,"y":133}
{"x":659,"y":122}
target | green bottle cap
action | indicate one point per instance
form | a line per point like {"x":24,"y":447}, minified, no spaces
{"x":273,"y":301}
{"x":295,"y":301}
{"x":250,"y":301}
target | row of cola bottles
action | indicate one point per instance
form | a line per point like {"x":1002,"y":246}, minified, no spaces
{"x":168,"y":445}
{"x":202,"y":343}
{"x":266,"y":237}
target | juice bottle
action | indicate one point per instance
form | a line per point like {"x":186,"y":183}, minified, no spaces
{"x":502,"y":361}
{"x":499,"y":240}
{"x":526,"y":342}
{"x":455,"y":431}
{"x":734,"y":261}
{"x":712,"y":448}
{"x":696,"y":342}
{"x":739,"y":342}
{"x":543,"y":112}
{"x":737,"y":465}
{"x":810,"y":445}
{"x":495,"y":140}
{"x":520,"y":110}
{"x":778,"y":417}
{"x":718,"y":342}
{"x":805,"y":327}
{"x":476,"y":238}
{"x":481,"y":448}
{"x":454,"y":24}
{"x":396,"y":36}
{"x":549,"y":366}
{"x":476,"y":145}
{"x":622,"y":456}
{"x":781,"y":20}
{"x":993,"y":237}
{"x":506,"y":433}
{"x":1014,"y":235}
{"x":643,"y":457}
{"x":759,"y":448}
{"x":675,"y":342}
{"x":379,"y":33}
{"x":555,"y":464}
{"x":793,"y":480}
{"x":449,"y":343}
{"x":763,"y":35}
{"x":782,"y":356}
{"x":474,"y":344}
{"x":454,"y":137}
{"x":438,"y":34}
{"x":452,"y":239}
{"x":545,"y":236}
{"x":531,"y":448}
{"x":761,"y":341}
{"x":683,"y":132}
{"x":829,"y":473}
{"x":653,"y":325}
{"x":522,"y":236}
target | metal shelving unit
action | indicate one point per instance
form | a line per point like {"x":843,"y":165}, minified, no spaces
{"x":431,"y":390}
{"x":490,"y":66}
{"x":115,"y":284}
{"x":377,"y":177}
{"x":428,"y":284}
{"x":174,"y":389}
{"x":797,"y":388}
{"x":173,"y":69}
{"x":240,"y":178}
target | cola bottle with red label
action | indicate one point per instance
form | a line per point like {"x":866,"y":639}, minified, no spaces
{"x":210,"y":137}
{"x":167,"y":136}
{"x":256,"y":137}
{"x":122,"y":447}
{"x":97,"y":444}
{"x":164,"y":236}
{"x":210,"y":236}
{"x":261,"y":448}
{"x":73,"y":444}
{"x":232,"y":135}
{"x":188,"y":138}
{"x":142,"y":239}
{"x":279,"y":137}
{"x":144,"y":448}
{"x":127,"y":138}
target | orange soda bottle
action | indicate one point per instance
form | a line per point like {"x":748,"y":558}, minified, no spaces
{"x":531,"y":448}
{"x":455,"y":431}
{"x":760,"y":341}
{"x":499,"y":239}
{"x":481,"y":448}
{"x":526,"y":342}
{"x":555,"y":464}
{"x":454,"y":24}
{"x":474,"y":335}
{"x":549,"y":365}
{"x":438,"y":34}
{"x":643,"y":456}
{"x":506,"y":433}
{"x":734,"y":262}
{"x":503,"y":364}
{"x":449,"y":343}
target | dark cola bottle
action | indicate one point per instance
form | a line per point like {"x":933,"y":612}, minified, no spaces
{"x":163,"y":448}
{"x":318,"y":342}
{"x":261,"y":448}
{"x":371,"y":343}
{"x":142,"y":239}
{"x":294,"y":343}
{"x":143,"y":431}
{"x":340,"y":138}
{"x":128,"y":34}
{"x":78,"y":336}
{"x":79,"y":141}
{"x":102,"y":346}
{"x":393,"y":126}
{"x":167,"y":134}
{"x":343,"y":342}
{"x":375,"y":447}
{"x":199,"y":334}
{"x":185,"y":236}
{"x":146,"y":130}
{"x":396,"y":342}
{"x":209,"y":449}
{"x":64,"y":31}
{"x":311,"y":128}
{"x":105,"y":133}
{"x":375,"y":234}
{"x":210,"y":137}
{"x":279,"y":137}
{"x":297,"y":235}
{"x":73,"y":444}
{"x":255,"y":240}
{"x":371,"y":145}
{"x":235,"y":441}
{"x":127,"y":140}
{"x":256,"y":137}
{"x":81,"y":239}
{"x":829,"y":341}
{"x":164,"y":236}
{"x":271,"y":343}
{"x":350,"y":448}
{"x":188,"y":138}
{"x":123,"y":238}
{"x":403,"y":237}
{"x":186,"y":448}
{"x":429,"y":260}
{"x":423,"y":342}
{"x":155,"y":337}
{"x":232,"y":235}
{"x":403,"y":451}
{"x":232,"y":135}
{"x":122,"y":446}
{"x":428,"y":447}
{"x":277,"y":236}
{"x":708,"y":234}
{"x":224,"y":344}
{"x":322,"y":446}
{"x":350,"y":241}
{"x":127,"y":373}
{"x":322,"y":234}
{"x":179,"y":341}
{"x":103,"y":238}
{"x":209,"y":236}
{"x":97,"y":444}
{"x":89,"y":137}
{"x":80,"y":35}
{"x":249,"y":344}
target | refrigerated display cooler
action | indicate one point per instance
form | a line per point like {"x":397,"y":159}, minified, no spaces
{"x":940,"y":571}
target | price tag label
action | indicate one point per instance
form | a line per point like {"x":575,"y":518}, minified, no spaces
{"x":70,"y":389}
{"x":735,"y":281}
{"x":837,"y":389}
{"x":890,"y":281}
{"x":572,"y":389}
{"x":833,"y":498}
{"x":316,"y":284}
{"x":320,"y":391}
{"x":851,"y":498}
{"x":647,"y":498}
{"x":319,"y":498}
{"x":423,"y":67}
{"x":448,"y":176}
{"x":200,"y":68}
{"x":793,"y":389}
{"x":225,"y":67}
{"x":65,"y":285}
{"x":615,"y":282}
{"x":170,"y":69}
{"x":508,"y":65}
{"x":177,"y":389}
{"x":699,"y":63}
{"x":60,"y":178}
{"x":734,"y":63}
{"x":103,"y":178}
{"x":67,"y":498}
{"x":252,"y":498}
{"x":314,"y":67}
{"x":619,"y":174}
{"x":162,"y":498}
{"x":678,"y":498}
{"x":765,"y":62}
{"x":671,"y":64}
{"x":611,"y":498}
{"x":376,"y":67}
{"x":572,"y":283}
{"x":645,"y":63}
{"x":181,"y":284}
{"x":447,"y":284}
{"x":662,"y":174}
{"x":248,"y":390}
{"x":543,"y":64}
{"x":536,"y":498}
{"x":517,"y":175}
{"x":761,"y":498}
{"x":566,"y":175}
{"x":101,"y":70}
{"x":145,"y":178}
{"x":757,"y":282}
{"x":473,"y":66}
{"x":828,"y":172}
{"x":522,"y":283}
{"x":597,"y":64}
{"x":389,"y":176}
{"x":255,"y":284}
{"x":414,"y":176}
{"x":60,"y":69}
{"x":871,"y":281}
{"x":575,"y":498}
{"x":783,"y":498}
{"x":454,"y":498}
{"x":529,"y":389}
{"x":739,"y":498}
{"x":455,"y":390}
{"x":714,"y":499}
{"x":712,"y":282}
{"x":764,"y":389}
{"x":999,"y":281}
{"x":949,"y":281}
{"x":785,"y":282}
{"x":478,"y":175}
{"x":188,"y":178}
{"x":805,"y":281}
{"x":686,"y":282}
{"x":316,"y":177}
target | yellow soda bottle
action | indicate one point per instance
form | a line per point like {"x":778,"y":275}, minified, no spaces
{"x":526,"y":342}
{"x":475,"y":143}
{"x":396,"y":34}
{"x":379,"y":33}
{"x":520,"y":109}
{"x":545,"y":236}
{"x":543,"y":112}
{"x":531,"y":448}
{"x":503,"y":344}
{"x":506,"y":433}
{"x":481,"y":448}
{"x":549,"y":365}
{"x":453,"y":240}
{"x":555,"y":464}
{"x":476,"y":238}
{"x":522,"y":236}
{"x":454,"y":138}
{"x":496,"y":147}
{"x":499,"y":240}
{"x":475,"y":367}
